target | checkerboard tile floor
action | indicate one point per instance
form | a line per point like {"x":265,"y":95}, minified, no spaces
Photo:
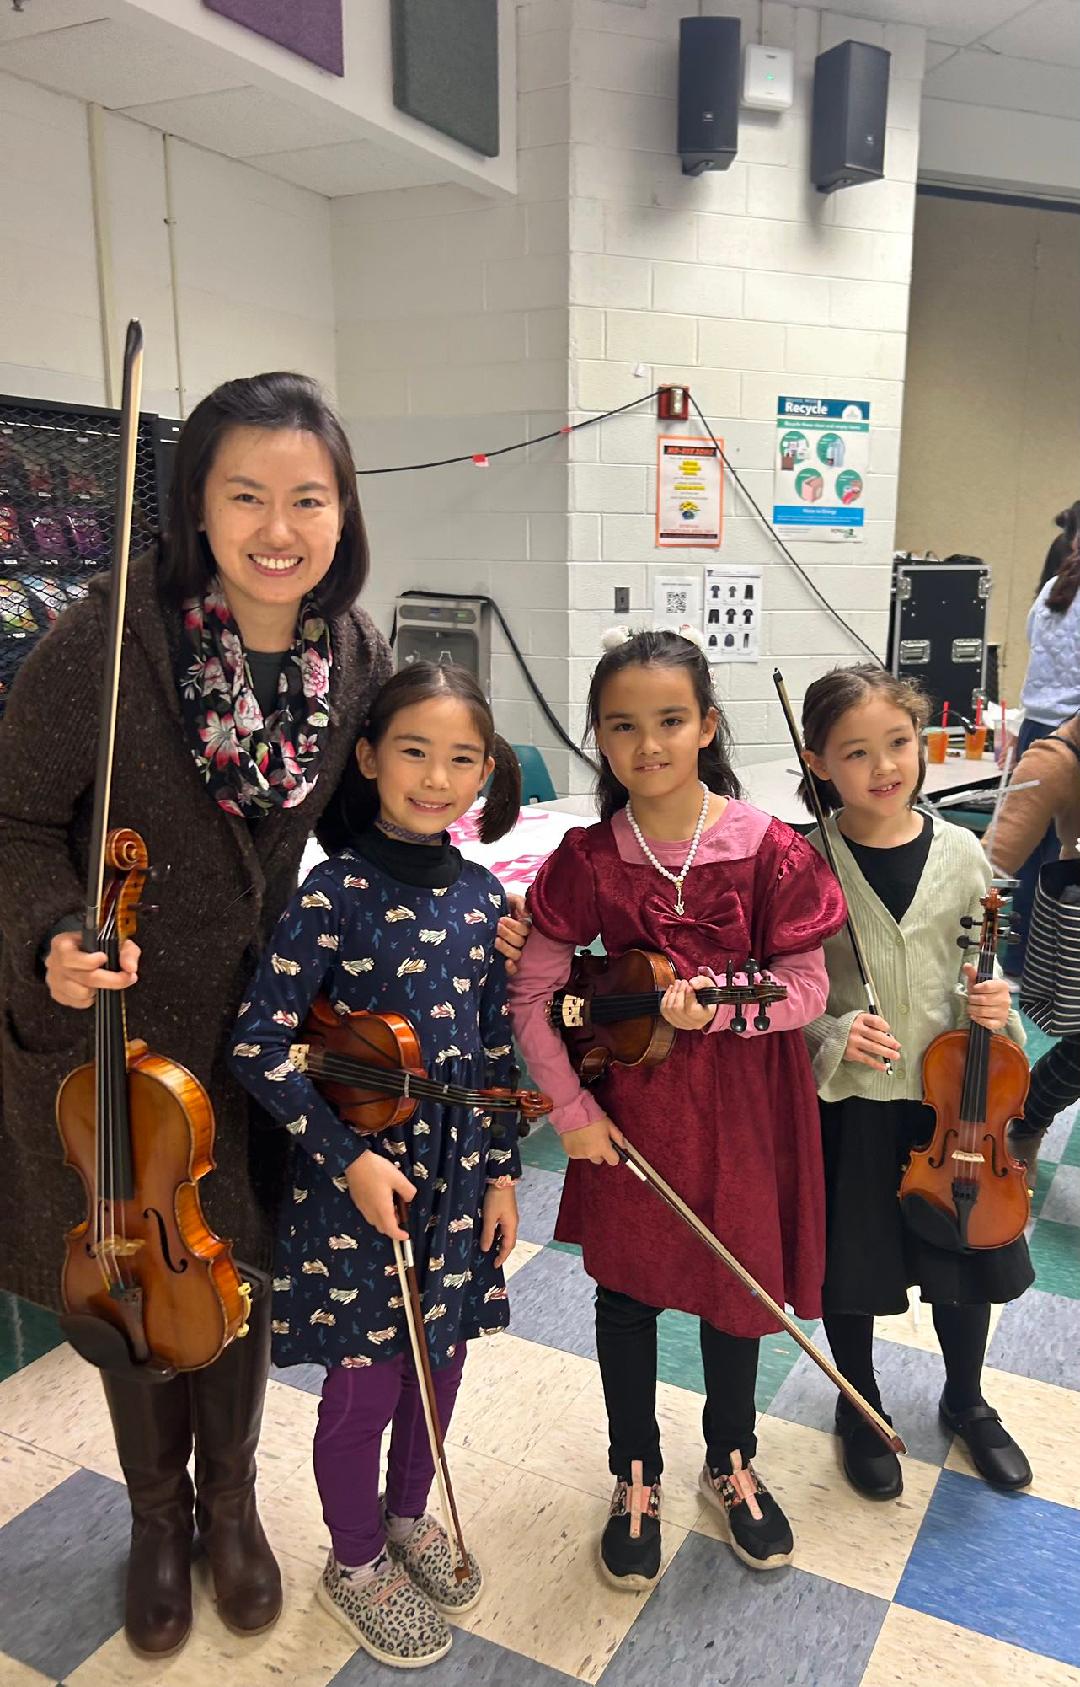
{"x":954,"y":1584}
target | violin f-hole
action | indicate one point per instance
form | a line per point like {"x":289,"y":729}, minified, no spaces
{"x":163,"y":1237}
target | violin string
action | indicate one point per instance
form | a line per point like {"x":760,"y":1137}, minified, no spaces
{"x":108,"y":936}
{"x":342,"y":1069}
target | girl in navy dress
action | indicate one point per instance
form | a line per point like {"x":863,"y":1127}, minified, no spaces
{"x":395,"y":922}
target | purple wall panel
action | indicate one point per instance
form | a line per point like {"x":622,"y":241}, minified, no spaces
{"x":309,"y":28}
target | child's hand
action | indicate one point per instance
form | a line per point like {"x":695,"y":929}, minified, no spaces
{"x":500,"y":1219}
{"x":870,"y":1042}
{"x":373,"y":1182}
{"x":513,"y":932}
{"x":681,"y":1008}
{"x":988,"y":1003}
{"x":593,"y":1142}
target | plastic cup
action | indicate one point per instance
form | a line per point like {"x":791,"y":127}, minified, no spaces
{"x":974,"y":743}
{"x":937,"y":742}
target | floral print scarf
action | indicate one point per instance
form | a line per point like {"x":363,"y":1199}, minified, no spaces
{"x":253,"y":764}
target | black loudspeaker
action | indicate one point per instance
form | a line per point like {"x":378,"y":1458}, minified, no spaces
{"x":709,"y":74}
{"x":851,"y":95}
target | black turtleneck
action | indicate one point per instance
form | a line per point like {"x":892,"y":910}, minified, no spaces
{"x":427,"y":866}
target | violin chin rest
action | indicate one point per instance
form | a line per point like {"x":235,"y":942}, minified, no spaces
{"x":102,"y":1345}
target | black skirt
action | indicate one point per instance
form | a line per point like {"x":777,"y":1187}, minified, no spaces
{"x":872,"y":1257}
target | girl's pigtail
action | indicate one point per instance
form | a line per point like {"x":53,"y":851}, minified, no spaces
{"x":353,"y":807}
{"x":503,"y":802}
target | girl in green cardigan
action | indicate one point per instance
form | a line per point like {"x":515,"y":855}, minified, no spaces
{"x":909,"y":878}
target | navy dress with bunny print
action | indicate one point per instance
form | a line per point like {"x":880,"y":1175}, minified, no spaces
{"x":358,"y":935}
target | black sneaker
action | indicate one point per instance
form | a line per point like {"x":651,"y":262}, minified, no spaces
{"x":758,"y":1531}
{"x":872,"y":1468}
{"x":630,"y":1544}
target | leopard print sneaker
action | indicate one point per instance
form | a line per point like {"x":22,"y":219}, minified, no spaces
{"x":385,"y":1614}
{"x":427,"y":1557}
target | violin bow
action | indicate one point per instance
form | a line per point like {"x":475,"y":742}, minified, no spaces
{"x":648,"y":1174}
{"x":872,"y":997}
{"x":414,"y":1318}
{"x":125,"y":492}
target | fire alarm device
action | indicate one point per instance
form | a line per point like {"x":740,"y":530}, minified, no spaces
{"x":768,"y":78}
{"x":673,"y":404}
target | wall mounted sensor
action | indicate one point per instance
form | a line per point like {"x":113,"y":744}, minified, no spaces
{"x":768,"y":78}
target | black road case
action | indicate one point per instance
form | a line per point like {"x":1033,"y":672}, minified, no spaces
{"x":937,"y":632}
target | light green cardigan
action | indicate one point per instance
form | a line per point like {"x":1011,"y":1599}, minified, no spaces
{"x":915,"y":966}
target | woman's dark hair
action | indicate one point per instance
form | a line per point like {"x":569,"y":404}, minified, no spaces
{"x":356,"y":803}
{"x":274,"y":401}
{"x":659,"y":648}
{"x":842,"y":689}
{"x":1063,"y":546}
{"x":1067,"y":582}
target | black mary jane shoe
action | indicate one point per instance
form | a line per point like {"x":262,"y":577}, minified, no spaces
{"x":872,"y":1468}
{"x":994,"y":1453}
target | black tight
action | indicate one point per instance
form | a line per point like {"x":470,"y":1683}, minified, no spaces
{"x":961,"y":1330}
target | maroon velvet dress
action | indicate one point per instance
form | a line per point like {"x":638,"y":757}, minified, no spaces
{"x":731,"y":1122}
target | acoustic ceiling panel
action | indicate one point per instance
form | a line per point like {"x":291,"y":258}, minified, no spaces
{"x":309,"y":28}
{"x":446,"y":68}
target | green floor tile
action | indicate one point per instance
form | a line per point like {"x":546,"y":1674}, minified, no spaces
{"x":1055,"y":1254}
{"x":26,"y":1332}
{"x":565,"y":1247}
{"x":778,"y":1354}
{"x":1044,"y":1177}
{"x":1070,"y":1155}
{"x":542,"y":1148}
{"x":678,"y":1351}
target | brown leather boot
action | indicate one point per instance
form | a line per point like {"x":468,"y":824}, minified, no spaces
{"x":228,"y":1401}
{"x":153,"y":1427}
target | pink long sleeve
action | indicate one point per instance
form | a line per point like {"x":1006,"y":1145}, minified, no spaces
{"x":807,"y":993}
{"x":544,"y":966}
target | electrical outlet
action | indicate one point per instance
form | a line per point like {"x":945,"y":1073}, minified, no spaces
{"x":622,"y":600}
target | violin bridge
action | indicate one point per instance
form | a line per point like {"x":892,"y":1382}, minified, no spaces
{"x":120,"y":1247}
{"x":969,"y":1159}
{"x":573,"y":1011}
{"x":298,"y":1056}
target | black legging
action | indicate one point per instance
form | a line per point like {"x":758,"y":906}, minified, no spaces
{"x":961,"y":1330}
{"x":626,"y":1349}
{"x":1055,"y":1083}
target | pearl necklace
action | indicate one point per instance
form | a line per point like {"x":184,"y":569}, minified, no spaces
{"x":678,"y":878}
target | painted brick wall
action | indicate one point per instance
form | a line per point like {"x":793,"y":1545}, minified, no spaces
{"x":253,"y":260}
{"x":744,"y":284}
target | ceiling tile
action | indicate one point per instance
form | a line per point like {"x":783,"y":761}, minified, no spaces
{"x":38,"y":20}
{"x":114,"y":64}
{"x":1050,"y":31}
{"x":956,"y":21}
{"x":243,"y":122}
{"x":354,"y":167}
{"x":975,"y":77}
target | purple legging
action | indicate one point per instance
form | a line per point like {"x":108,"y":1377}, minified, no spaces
{"x":356,"y":1406}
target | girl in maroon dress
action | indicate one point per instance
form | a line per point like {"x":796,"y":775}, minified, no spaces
{"x":678,"y":863}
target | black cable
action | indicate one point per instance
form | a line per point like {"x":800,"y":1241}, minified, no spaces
{"x":545,"y":707}
{"x":756,"y":507}
{"x":522,"y":444}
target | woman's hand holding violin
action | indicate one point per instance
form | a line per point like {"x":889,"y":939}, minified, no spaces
{"x":74,"y":978}
{"x":374,"y":1182}
{"x":988,"y":1003}
{"x":681,"y":1008}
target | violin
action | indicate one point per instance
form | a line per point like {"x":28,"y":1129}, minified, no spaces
{"x":965,"y":1190}
{"x":608,"y":1011}
{"x":148,"y":1289}
{"x":370,"y":1068}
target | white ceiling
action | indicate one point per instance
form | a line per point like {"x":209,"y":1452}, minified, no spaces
{"x":1013,"y":55}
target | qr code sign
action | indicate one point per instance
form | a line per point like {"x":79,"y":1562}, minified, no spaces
{"x":676,"y":601}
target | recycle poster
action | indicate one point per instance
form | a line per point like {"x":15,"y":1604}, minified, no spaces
{"x":820,"y":468}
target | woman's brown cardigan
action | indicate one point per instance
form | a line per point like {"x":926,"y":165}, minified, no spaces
{"x":224,"y":887}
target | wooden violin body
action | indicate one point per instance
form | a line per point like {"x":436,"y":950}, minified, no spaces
{"x":609,"y":1010}
{"x":139,"y":1130}
{"x":370,"y":1067}
{"x":965,"y":1190}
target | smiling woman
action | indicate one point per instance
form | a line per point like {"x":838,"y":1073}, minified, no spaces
{"x":247,"y":672}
